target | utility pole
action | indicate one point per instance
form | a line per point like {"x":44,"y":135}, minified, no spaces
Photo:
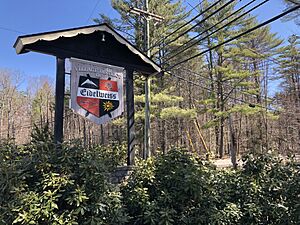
{"x":147,"y":17}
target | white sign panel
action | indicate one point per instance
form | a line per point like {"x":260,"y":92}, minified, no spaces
{"x":96,"y":90}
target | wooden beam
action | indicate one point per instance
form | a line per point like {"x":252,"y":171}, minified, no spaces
{"x":122,"y":59}
{"x":130,"y":117}
{"x":59,"y":100}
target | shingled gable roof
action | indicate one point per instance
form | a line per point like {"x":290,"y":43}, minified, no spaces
{"x":99,"y":43}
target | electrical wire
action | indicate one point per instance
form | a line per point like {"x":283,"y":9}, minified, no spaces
{"x":182,"y":26}
{"x":201,"y":21}
{"x":11,"y":30}
{"x":206,"y":88}
{"x":185,"y":15}
{"x":226,"y":85}
{"x":98,"y":1}
{"x":233,"y":87}
{"x":238,"y":36}
{"x":243,"y":92}
{"x":220,"y":28}
{"x":294,"y":2}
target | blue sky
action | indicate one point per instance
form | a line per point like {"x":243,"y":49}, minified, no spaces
{"x":35,"y":16}
{"x":19,"y":17}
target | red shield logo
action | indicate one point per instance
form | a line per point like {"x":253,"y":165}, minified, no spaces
{"x":97,"y":96}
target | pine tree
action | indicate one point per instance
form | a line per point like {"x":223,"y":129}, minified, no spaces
{"x":234,"y":69}
{"x":289,"y":97}
{"x":165,"y":101}
{"x":220,"y":68}
{"x":289,"y":68}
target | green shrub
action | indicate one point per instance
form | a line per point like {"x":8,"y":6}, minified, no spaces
{"x":273,"y":192}
{"x":172,"y":189}
{"x":178,"y":188}
{"x":46,"y":184}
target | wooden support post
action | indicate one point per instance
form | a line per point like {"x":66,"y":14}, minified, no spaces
{"x":147,"y":152}
{"x":130,"y":117}
{"x":59,"y":100}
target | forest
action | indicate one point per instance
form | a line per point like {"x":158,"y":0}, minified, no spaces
{"x":227,"y":90}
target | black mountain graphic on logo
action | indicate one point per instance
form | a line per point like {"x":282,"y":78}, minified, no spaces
{"x":88,"y":82}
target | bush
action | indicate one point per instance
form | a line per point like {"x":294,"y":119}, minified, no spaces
{"x":178,"y":188}
{"x":271,"y":192}
{"x":40,"y":185}
{"x":173,"y":189}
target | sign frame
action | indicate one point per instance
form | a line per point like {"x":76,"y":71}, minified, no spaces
{"x":97,"y":90}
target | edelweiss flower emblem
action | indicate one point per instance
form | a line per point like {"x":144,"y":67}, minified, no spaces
{"x":108,"y":106}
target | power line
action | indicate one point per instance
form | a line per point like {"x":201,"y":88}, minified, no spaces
{"x":234,"y":85}
{"x":275,"y":61}
{"x":92,"y":11}
{"x":173,"y":25}
{"x":201,"y":21}
{"x":185,"y":15}
{"x":196,"y":84}
{"x":227,"y":85}
{"x":11,"y":30}
{"x":272,"y":60}
{"x":228,"y":93}
{"x":193,"y":7}
{"x":220,"y":28}
{"x":182,"y":26}
{"x":294,"y":2}
{"x":237,"y":36}
{"x":246,"y":93}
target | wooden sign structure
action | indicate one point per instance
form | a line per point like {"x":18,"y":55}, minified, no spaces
{"x":98,"y":43}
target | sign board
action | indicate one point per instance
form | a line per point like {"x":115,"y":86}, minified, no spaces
{"x":96,"y":90}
